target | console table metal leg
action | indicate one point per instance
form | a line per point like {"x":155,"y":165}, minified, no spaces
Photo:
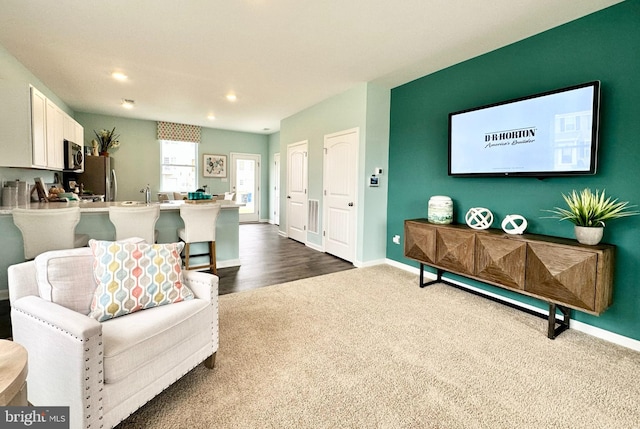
{"x":552,"y":331}
{"x":438,"y":279}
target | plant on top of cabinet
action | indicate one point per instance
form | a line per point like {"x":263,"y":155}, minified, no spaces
{"x":591,"y":210}
{"x":106,"y":140}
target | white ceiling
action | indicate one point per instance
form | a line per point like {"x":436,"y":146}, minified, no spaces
{"x":278,"y":56}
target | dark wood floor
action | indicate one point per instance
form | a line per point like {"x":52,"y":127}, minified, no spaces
{"x":266,"y":259}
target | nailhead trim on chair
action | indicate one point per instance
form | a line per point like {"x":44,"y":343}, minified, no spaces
{"x":213,"y":298}
{"x":88,"y":345}
{"x":48,"y":323}
{"x":94,"y":370}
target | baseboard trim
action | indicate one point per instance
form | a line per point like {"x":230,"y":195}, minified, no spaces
{"x":360,"y":264}
{"x":594,"y":331}
{"x":603,"y":334}
{"x":314,"y":247}
{"x":4,"y":294}
{"x":228,"y":263}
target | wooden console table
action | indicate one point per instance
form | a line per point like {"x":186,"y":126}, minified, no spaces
{"x":562,"y":272}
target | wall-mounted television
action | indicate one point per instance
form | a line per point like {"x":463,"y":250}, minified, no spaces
{"x":554,"y":133}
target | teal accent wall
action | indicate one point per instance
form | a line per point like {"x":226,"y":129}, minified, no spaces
{"x":601,"y":46}
{"x":137,"y":160}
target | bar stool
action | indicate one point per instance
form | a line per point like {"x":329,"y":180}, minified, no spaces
{"x":48,"y":229}
{"x":135,"y":221}
{"x":199,"y":226}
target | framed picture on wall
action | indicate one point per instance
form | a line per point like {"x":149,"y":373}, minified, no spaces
{"x":214,"y":165}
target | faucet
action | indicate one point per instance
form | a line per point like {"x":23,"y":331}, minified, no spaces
{"x":147,"y":194}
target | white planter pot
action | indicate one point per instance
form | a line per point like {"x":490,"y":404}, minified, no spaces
{"x":588,"y":234}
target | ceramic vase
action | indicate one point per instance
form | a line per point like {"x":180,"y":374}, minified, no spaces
{"x":589,"y":234}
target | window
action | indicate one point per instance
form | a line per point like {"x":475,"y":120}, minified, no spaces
{"x":178,"y":166}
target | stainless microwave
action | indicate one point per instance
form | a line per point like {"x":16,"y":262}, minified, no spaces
{"x":73,"y":156}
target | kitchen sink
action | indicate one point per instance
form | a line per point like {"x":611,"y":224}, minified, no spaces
{"x":134,"y":203}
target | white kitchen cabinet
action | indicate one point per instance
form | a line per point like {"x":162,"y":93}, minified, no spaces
{"x":39,"y":128}
{"x":73,"y":131}
{"x":79,"y":135}
{"x":55,"y":140}
{"x":33,"y":128}
{"x":69,"y":128}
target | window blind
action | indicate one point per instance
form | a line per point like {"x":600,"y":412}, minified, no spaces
{"x":178,"y":132}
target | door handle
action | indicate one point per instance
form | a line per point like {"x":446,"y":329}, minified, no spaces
{"x":350,"y":204}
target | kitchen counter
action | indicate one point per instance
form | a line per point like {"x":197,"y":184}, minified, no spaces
{"x":94,"y":221}
{"x":103,"y":207}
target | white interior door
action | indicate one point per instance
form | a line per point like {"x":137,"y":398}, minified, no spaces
{"x":297,"y":191}
{"x":276,"y":189}
{"x":245,"y":182}
{"x":340,"y":179}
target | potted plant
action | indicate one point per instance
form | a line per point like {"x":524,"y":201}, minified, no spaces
{"x":106,"y":140}
{"x":589,"y":211}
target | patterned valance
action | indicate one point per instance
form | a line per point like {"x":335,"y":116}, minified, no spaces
{"x":178,"y":132}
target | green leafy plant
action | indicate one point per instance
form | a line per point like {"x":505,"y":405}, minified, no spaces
{"x":591,"y":209}
{"x":106,"y":139}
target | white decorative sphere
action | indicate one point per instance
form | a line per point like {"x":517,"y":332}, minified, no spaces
{"x":479,"y":218}
{"x":514,"y":224}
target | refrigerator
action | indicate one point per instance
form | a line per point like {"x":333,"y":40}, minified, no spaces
{"x":99,"y":177}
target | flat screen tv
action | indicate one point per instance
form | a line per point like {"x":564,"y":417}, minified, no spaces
{"x":553,"y":133}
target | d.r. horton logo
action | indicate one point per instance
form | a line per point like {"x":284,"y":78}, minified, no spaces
{"x":510,"y":137}
{"x":36,"y":417}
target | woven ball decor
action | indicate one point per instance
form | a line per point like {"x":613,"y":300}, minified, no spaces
{"x":514,"y":224}
{"x":479,"y":218}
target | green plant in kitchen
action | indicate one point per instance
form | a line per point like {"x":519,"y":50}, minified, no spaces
{"x":590,"y":209}
{"x":107,"y":139}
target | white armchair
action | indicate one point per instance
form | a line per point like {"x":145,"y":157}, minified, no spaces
{"x":104,"y":371}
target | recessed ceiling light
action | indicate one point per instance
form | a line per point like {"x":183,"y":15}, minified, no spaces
{"x":119,"y":76}
{"x":127,"y":104}
{"x":211,"y":117}
{"x":231,"y":97}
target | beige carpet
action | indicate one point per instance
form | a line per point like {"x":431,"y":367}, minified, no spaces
{"x":367,"y":348}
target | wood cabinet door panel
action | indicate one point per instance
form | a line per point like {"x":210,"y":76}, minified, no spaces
{"x":454,"y":250}
{"x":420,"y":242}
{"x":562,"y":274}
{"x":500,"y":260}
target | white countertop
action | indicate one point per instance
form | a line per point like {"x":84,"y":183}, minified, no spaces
{"x":103,"y":207}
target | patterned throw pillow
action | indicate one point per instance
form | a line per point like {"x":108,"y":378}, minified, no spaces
{"x":135,"y":276}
